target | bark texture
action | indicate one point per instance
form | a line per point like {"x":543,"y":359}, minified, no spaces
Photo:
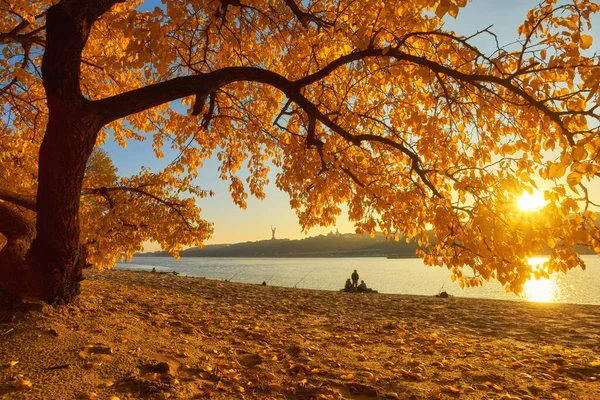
{"x":45,"y":262}
{"x":14,"y":270}
{"x":55,"y":254}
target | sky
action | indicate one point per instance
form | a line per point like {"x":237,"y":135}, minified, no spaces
{"x":233,"y":225}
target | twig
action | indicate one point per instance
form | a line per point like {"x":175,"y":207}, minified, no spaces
{"x":63,"y":366}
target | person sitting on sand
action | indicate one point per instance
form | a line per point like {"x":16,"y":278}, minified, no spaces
{"x":363,"y":287}
{"x":354,"y":279}
{"x":348,"y":285}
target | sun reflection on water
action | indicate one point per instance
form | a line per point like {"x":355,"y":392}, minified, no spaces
{"x":541,"y":290}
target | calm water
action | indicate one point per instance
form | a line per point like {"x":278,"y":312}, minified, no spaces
{"x":403,"y":276}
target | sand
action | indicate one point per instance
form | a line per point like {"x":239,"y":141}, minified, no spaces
{"x":140,"y":335}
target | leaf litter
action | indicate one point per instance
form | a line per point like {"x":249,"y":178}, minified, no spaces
{"x":151,"y":336}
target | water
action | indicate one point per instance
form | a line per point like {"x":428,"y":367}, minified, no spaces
{"x":402,"y":276}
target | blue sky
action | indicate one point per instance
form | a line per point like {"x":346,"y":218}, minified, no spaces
{"x":235,"y":225}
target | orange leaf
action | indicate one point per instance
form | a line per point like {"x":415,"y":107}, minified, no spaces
{"x":585,"y":41}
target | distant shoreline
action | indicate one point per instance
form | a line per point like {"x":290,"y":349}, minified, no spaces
{"x":323,"y":246}
{"x":303,"y":255}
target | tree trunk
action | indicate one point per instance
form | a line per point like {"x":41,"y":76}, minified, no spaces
{"x":49,"y":267}
{"x":45,"y":261}
{"x":19,"y":233}
{"x":56,"y":255}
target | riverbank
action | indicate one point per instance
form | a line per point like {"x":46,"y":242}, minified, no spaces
{"x":159,"y":336}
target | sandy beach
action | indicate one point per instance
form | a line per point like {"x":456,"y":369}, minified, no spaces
{"x":134,"y":335}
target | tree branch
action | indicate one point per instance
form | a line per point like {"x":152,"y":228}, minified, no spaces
{"x":415,"y":160}
{"x":150,"y":96}
{"x":207,"y":117}
{"x":438,"y":68}
{"x":14,"y":226}
{"x":17,"y":199}
{"x":103,"y":191}
{"x":304,"y":17}
{"x":25,"y":39}
{"x":134,"y":101}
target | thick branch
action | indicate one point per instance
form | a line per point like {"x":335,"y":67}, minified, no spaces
{"x":147,"y":97}
{"x":138,"y":100}
{"x":150,"y":96}
{"x":14,"y":226}
{"x":19,"y":232}
{"x":122,"y":105}
{"x":17,"y":199}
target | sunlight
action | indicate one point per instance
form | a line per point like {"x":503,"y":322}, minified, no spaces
{"x":541,"y":290}
{"x":531,"y":202}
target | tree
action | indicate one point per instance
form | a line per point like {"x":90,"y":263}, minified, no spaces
{"x":372,"y":104}
{"x":118,"y":214}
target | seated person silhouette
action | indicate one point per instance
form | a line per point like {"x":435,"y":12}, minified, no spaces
{"x":363,"y":287}
{"x":348,"y":285}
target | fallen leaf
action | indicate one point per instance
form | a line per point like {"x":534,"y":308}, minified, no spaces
{"x":450,"y":389}
{"x":250,"y":360}
{"x":25,"y":384}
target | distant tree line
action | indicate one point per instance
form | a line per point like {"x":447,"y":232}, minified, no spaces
{"x":332,"y":245}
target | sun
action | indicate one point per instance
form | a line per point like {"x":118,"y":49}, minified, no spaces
{"x":531,"y":202}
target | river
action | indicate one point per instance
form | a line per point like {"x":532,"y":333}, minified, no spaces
{"x":401,"y":276}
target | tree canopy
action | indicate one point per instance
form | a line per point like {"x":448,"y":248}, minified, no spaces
{"x":373,"y":105}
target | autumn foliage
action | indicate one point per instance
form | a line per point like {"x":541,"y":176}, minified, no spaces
{"x":370,"y":104}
